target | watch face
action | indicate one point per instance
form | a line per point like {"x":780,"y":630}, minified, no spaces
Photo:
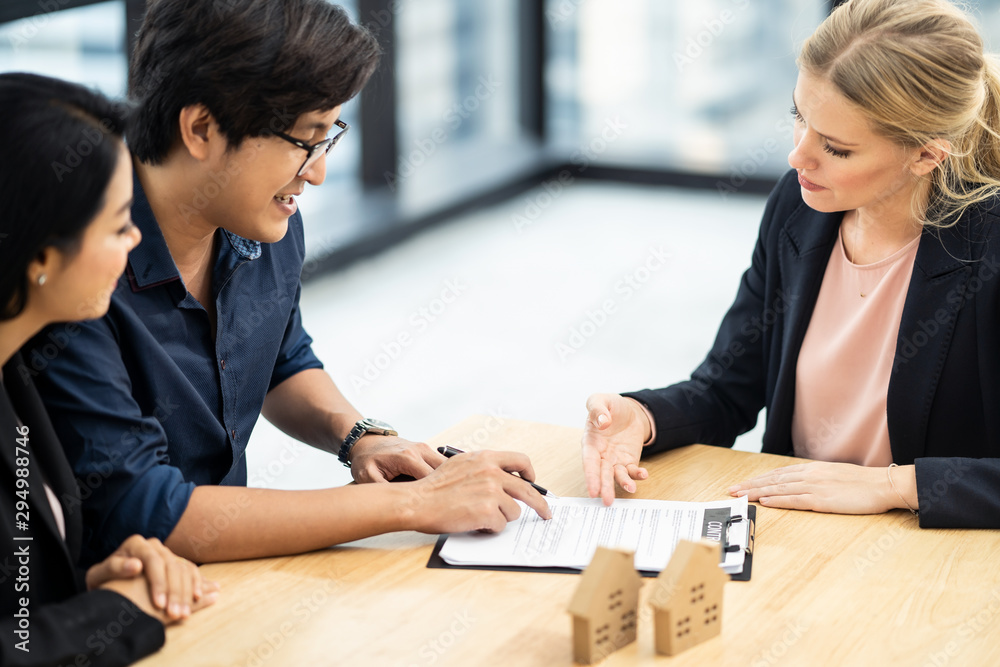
{"x":377,"y":424}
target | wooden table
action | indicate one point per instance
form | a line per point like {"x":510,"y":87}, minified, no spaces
{"x":826,"y":589}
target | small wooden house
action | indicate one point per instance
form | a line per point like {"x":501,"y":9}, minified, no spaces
{"x":605,"y":606}
{"x":687,"y":599}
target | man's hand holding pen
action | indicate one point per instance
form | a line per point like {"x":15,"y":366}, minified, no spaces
{"x":474,"y":491}
{"x":449,"y":452}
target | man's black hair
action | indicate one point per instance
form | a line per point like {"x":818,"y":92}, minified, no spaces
{"x":257,"y":65}
{"x":59,"y":147}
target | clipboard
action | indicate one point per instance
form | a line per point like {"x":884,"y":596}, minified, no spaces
{"x":436,"y":562}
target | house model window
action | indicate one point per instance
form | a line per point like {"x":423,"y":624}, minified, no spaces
{"x":687,"y":598}
{"x":605,"y":605}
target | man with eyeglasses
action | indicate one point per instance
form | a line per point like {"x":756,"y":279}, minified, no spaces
{"x":316,"y":151}
{"x":154,"y":403}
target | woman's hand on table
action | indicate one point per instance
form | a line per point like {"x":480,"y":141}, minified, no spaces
{"x":840,"y":488}
{"x":158,"y":581}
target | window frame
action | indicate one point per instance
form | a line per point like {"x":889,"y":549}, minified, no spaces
{"x":382,"y":219}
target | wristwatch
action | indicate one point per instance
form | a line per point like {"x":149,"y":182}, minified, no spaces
{"x":363,"y":427}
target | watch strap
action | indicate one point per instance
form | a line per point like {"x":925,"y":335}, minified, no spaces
{"x":362,"y":427}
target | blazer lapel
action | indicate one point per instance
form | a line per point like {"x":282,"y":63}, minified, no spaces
{"x":48,"y":456}
{"x":940,"y":273}
{"x":803,"y":252}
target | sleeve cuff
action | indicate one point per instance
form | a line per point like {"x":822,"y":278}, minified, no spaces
{"x":152,"y":508}
{"x":652,"y":425}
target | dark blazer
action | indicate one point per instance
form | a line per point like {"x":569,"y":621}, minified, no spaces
{"x":65,"y":622}
{"x":943,"y":404}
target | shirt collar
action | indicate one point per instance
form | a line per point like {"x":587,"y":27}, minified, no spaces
{"x":245,"y":247}
{"x":150,"y":263}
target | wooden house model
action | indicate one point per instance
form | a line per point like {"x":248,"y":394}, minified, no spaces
{"x":687,"y":598}
{"x":605,"y":605}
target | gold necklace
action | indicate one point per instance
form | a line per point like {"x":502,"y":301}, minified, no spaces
{"x":854,"y":254}
{"x":857,"y":228}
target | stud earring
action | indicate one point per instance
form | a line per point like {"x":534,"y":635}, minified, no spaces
{"x":41,"y":279}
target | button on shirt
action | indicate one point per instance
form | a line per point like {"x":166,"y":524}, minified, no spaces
{"x":147,"y":405}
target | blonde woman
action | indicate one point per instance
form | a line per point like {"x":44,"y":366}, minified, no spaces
{"x":868,"y":324}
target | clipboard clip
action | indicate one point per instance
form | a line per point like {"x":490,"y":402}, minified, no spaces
{"x":728,"y":546}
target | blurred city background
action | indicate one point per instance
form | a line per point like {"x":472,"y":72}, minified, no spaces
{"x":514,"y":167}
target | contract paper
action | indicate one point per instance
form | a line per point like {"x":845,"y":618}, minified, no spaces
{"x":650,"y":528}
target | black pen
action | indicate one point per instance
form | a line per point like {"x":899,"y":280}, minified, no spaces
{"x":451,"y":451}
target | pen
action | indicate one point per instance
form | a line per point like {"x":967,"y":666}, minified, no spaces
{"x":451,"y":451}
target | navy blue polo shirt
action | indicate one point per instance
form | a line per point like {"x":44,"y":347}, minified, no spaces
{"x":146,"y":403}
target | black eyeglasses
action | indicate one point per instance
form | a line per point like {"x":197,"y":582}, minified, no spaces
{"x":316,"y":151}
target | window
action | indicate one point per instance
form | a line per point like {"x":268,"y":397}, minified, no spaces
{"x":457,"y":85}
{"x":679,"y":86}
{"x":86,"y":45}
{"x":341,"y":192}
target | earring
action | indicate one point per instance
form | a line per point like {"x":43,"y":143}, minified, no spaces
{"x":41,"y":279}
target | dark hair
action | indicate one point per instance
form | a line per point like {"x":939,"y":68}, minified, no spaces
{"x":257,"y":65}
{"x":60,"y":147}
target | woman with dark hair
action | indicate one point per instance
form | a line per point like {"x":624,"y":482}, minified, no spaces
{"x":65,"y":233}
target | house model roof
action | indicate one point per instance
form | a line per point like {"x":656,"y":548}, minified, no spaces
{"x":690,"y":559}
{"x":609,"y":569}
